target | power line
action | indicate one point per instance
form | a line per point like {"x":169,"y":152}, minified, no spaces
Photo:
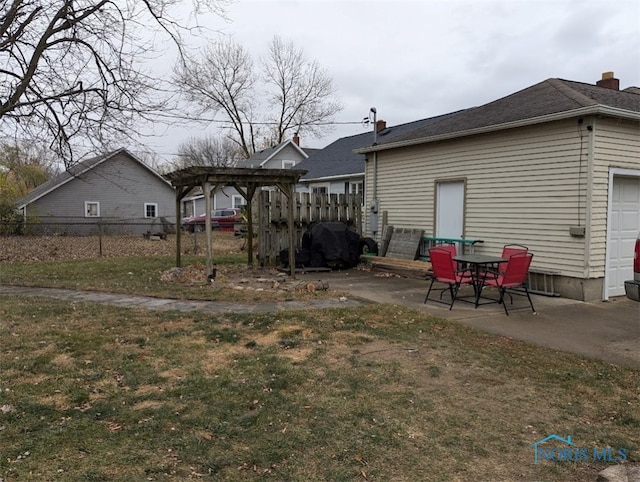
{"x":218,"y":121}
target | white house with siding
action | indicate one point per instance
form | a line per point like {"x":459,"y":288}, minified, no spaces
{"x":115,"y":192}
{"x":555,"y":167}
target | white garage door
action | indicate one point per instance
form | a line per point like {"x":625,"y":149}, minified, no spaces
{"x":624,"y":229}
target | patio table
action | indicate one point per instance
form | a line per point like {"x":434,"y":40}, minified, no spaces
{"x":476,"y":262}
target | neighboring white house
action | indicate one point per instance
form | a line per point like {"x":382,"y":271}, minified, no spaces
{"x":116,"y":192}
{"x":555,"y":167}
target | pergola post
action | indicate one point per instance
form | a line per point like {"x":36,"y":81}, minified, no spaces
{"x":181,"y":192}
{"x":292,"y":233}
{"x":287,"y":189}
{"x":178,"y":233}
{"x":208,"y":208}
{"x":248,"y":197}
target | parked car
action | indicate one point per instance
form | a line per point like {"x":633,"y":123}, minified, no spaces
{"x":223,"y":219}
{"x":632,"y":287}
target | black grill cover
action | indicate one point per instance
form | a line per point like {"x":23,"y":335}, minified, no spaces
{"x":333,"y":245}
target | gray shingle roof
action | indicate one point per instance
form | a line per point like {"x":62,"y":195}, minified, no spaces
{"x":552,"y":96}
{"x":70,"y":173}
{"x":338,"y":158}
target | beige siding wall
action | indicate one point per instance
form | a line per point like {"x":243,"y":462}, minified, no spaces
{"x":524,"y":186}
{"x":616,"y":145}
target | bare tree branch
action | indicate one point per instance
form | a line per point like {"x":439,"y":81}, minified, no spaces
{"x":71,"y":69}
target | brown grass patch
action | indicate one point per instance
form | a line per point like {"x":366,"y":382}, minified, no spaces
{"x":316,"y":395}
{"x":15,"y":249}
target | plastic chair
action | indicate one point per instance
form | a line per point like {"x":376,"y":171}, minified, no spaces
{"x":514,"y":276}
{"x":444,"y":271}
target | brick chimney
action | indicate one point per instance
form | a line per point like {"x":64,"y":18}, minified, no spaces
{"x":609,"y":81}
{"x":380,"y":125}
{"x":296,"y":139}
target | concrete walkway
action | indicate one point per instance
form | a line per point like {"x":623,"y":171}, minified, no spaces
{"x":609,"y":330}
{"x":151,"y":303}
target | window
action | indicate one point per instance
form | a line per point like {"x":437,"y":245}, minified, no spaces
{"x":288,"y":164}
{"x":357,"y":188}
{"x":91,"y":209}
{"x":150,"y":210}
{"x":320,"y":189}
{"x":237,"y":201}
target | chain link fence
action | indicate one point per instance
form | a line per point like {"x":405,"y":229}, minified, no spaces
{"x":52,"y":241}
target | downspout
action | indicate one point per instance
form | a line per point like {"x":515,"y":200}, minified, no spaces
{"x":373,"y":217}
{"x":589,"y":198}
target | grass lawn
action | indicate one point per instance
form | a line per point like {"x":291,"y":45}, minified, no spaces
{"x":97,"y":393}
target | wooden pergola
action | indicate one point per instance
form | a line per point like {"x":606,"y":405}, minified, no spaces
{"x":246,"y":181}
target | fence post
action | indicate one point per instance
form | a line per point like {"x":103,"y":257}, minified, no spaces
{"x":100,"y":239}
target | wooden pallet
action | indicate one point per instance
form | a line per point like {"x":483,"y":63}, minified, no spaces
{"x":403,"y":267}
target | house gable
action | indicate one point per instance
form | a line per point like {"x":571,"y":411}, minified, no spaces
{"x":272,"y":157}
{"x":116,"y":187}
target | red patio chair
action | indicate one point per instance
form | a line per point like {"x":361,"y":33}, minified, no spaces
{"x":514,"y":277}
{"x":444,"y":271}
{"x":452,"y":249}
{"x":509,"y":250}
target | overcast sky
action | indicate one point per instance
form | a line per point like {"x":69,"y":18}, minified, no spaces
{"x":422,"y":58}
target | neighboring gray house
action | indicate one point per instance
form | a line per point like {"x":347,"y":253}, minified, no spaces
{"x":285,"y":155}
{"x":114,"y":191}
{"x":555,"y":167}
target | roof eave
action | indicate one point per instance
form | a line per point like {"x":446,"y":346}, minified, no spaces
{"x":332,"y":178}
{"x":68,"y":179}
{"x":589,"y":110}
{"x":71,"y":177}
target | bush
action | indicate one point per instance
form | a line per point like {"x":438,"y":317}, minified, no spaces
{"x":11,"y":221}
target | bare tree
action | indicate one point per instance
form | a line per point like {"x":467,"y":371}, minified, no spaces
{"x":295,"y":96}
{"x":71,"y":69}
{"x":301,"y":96}
{"x":223,"y":81}
{"x":208,"y":151}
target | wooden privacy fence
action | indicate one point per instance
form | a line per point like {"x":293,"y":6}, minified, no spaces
{"x":309,"y":208}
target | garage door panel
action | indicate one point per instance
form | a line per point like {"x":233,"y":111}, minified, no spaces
{"x":624,"y":225}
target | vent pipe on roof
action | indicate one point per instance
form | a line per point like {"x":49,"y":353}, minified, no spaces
{"x":608,"y":81}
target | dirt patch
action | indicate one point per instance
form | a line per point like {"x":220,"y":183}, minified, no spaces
{"x":243,"y":278}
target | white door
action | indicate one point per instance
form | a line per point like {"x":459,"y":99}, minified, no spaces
{"x":450,"y":209}
{"x":623,"y":231}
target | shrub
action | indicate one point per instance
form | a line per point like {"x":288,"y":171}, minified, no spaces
{"x":11,"y":221}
